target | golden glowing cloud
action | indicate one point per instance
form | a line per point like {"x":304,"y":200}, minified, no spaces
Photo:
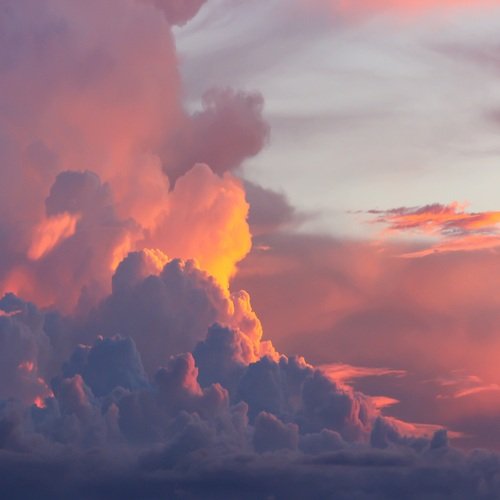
{"x":205,"y":219}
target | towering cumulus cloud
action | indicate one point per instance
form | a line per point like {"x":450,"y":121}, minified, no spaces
{"x":92,"y":120}
{"x":129,"y":368}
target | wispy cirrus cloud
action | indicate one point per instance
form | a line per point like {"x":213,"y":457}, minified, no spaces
{"x":345,"y":373}
{"x":460,"y":385}
{"x":445,"y":228}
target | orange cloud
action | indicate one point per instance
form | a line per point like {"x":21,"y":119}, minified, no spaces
{"x":50,"y":232}
{"x":205,"y":218}
{"x":101,"y":130}
{"x":449,"y":227}
{"x":345,"y":373}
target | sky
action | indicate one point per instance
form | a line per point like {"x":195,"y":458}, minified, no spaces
{"x":249,"y":249}
{"x":377,"y":106}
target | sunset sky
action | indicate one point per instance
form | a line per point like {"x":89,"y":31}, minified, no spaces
{"x":384,"y":140}
{"x":250,"y":249}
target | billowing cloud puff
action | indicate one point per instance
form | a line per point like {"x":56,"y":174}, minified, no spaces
{"x":205,"y":219}
{"x":110,"y":363}
{"x":97,"y":240}
{"x":232,"y":401}
{"x":195,"y":435}
{"x":271,"y":434}
{"x":269,"y":210}
{"x":25,"y":351}
{"x":169,"y":312}
{"x":229,"y":129}
{"x":83,"y":259}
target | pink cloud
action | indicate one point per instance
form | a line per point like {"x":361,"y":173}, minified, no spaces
{"x":442,"y":228}
{"x":342,"y":372}
{"x":407,"y":8}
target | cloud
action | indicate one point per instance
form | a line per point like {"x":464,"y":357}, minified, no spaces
{"x":204,"y":218}
{"x":177,"y":11}
{"x":271,"y":434}
{"x":229,"y":129}
{"x":347,"y":373}
{"x":110,"y":363}
{"x":86,"y":175}
{"x":224,"y":404}
{"x":50,"y":233}
{"x":359,"y":8}
{"x":25,"y":351}
{"x":454,"y":229}
{"x":142,"y":370}
{"x":461,"y":385}
{"x":168,"y":310}
{"x":269,"y":210}
{"x":351,"y":299}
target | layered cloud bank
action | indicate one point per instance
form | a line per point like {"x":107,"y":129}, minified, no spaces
{"x":230,"y":413}
{"x":130,"y":366}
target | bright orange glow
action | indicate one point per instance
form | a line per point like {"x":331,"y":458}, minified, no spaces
{"x":381,"y":402}
{"x":50,"y":232}
{"x":19,"y":282}
{"x":205,"y":220}
{"x":39,"y":402}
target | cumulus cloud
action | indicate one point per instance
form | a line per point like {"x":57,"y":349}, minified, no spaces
{"x":26,"y":351}
{"x":230,"y":407}
{"x":169,"y":312}
{"x":140,"y":372}
{"x":110,"y":363}
{"x":269,"y":210}
{"x":229,"y":128}
{"x":234,"y":396}
{"x":103,"y":129}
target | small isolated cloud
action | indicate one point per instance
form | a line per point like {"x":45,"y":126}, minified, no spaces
{"x":343,"y":372}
